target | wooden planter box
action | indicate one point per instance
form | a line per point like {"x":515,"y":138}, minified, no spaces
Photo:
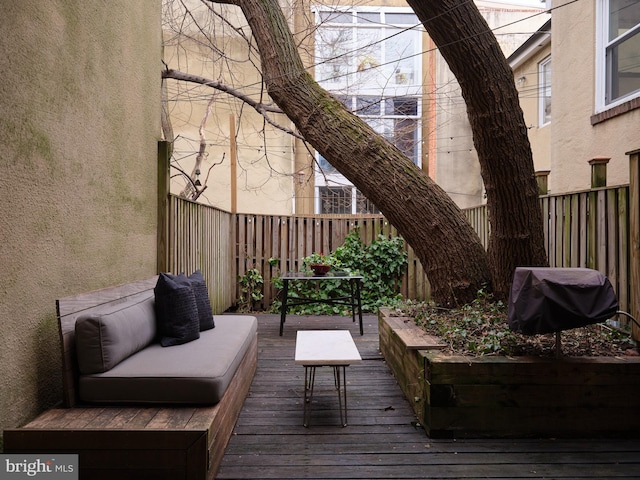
{"x":493,"y":396}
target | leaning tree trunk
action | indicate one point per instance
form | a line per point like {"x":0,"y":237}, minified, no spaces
{"x":499,"y":134}
{"x":445,"y":243}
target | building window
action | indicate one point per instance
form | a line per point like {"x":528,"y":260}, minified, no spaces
{"x":370,"y":59}
{"x":544,"y":86}
{"x":368,"y":49}
{"x":344,"y":200}
{"x":364,"y":205}
{"x":325,"y":166}
{"x":336,"y":200}
{"x":620,"y":60}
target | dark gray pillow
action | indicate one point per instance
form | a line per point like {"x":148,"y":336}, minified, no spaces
{"x":199,"y":287}
{"x":176,"y":310}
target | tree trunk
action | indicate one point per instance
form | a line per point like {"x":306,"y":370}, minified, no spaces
{"x":443,"y":240}
{"x":499,"y":134}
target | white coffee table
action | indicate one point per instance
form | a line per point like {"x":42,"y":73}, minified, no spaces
{"x":319,"y":348}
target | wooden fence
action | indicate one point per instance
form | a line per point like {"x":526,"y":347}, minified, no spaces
{"x":288,"y":239}
{"x":584,"y":229}
{"x":199,"y":237}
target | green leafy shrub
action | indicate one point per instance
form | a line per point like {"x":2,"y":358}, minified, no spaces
{"x":251,"y":290}
{"x":382,"y":264}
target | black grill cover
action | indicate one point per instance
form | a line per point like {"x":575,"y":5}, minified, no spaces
{"x":546,"y":300}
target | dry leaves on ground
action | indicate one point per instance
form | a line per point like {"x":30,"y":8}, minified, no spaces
{"x":481,"y":328}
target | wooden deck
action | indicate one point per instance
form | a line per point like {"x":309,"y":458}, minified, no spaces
{"x":382,"y":440}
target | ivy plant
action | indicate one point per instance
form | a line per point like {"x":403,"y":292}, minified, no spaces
{"x":251,"y":290}
{"x":382,"y":264}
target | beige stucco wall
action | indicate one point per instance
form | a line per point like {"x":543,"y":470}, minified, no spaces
{"x":574,"y":140}
{"x":80,"y":102}
{"x":263,"y":183}
{"x":453,"y":158}
{"x":527,"y":83}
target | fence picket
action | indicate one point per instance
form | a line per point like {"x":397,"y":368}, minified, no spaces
{"x":583,"y":229}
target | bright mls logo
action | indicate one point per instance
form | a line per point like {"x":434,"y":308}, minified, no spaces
{"x":49,"y":466}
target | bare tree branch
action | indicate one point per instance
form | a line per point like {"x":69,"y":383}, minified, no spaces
{"x":262,"y":108}
{"x":191,"y":190}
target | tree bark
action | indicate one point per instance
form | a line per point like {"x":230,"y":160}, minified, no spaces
{"x":499,"y":134}
{"x":426,"y":217}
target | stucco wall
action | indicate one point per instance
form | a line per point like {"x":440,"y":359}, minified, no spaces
{"x":457,"y":169}
{"x":263,"y":183}
{"x":574,"y":140}
{"x":527,"y":83}
{"x":80,"y":102}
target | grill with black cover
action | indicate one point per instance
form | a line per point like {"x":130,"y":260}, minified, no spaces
{"x":546,"y":300}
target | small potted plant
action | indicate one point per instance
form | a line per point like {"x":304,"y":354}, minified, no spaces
{"x":319,"y":263}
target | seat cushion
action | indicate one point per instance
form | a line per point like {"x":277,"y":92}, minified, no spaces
{"x":103,"y":339}
{"x":198,"y":372}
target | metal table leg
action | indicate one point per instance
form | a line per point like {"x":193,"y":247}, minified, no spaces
{"x":309,"y":381}
{"x":283,"y":308}
{"x":340,"y":383}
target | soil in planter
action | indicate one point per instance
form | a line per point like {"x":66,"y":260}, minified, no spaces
{"x":481,"y":328}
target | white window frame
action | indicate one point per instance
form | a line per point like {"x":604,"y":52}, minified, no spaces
{"x":324,"y":178}
{"x":353,"y":198}
{"x":544,"y":89}
{"x":602,"y":68}
{"x":318,"y":199}
{"x":347,"y":80}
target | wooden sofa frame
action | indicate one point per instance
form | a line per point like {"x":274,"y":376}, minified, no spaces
{"x":132,"y":442}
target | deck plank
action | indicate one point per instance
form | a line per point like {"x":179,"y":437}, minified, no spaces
{"x":382,"y":440}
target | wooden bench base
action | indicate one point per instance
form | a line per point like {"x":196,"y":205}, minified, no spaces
{"x":141,"y":442}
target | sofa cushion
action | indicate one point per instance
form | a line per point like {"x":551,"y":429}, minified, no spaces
{"x":105,"y":338}
{"x":195,"y":373}
{"x":199,"y":287}
{"x":176,"y":310}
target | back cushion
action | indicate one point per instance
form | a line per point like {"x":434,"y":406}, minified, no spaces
{"x":105,"y":338}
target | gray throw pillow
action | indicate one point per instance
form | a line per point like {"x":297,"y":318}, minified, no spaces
{"x":176,"y":310}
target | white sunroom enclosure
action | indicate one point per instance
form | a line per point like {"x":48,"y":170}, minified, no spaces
{"x":371,"y":59}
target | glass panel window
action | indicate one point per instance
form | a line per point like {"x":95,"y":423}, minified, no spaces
{"x":379,"y":55}
{"x":623,"y":16}
{"x":622,"y":50}
{"x":370,"y":59}
{"x":544,"y":84}
{"x":336,"y":17}
{"x":400,"y":59}
{"x":333,"y":56}
{"x":401,"y":19}
{"x":368,"y":17}
{"x":405,"y":129}
{"x":405,"y":137}
{"x":346,"y":101}
{"x":335,"y":200}
{"x":405,"y":106}
{"x":325,"y":166}
{"x":368,"y":105}
{"x":364,"y":205}
{"x":623,"y":61}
